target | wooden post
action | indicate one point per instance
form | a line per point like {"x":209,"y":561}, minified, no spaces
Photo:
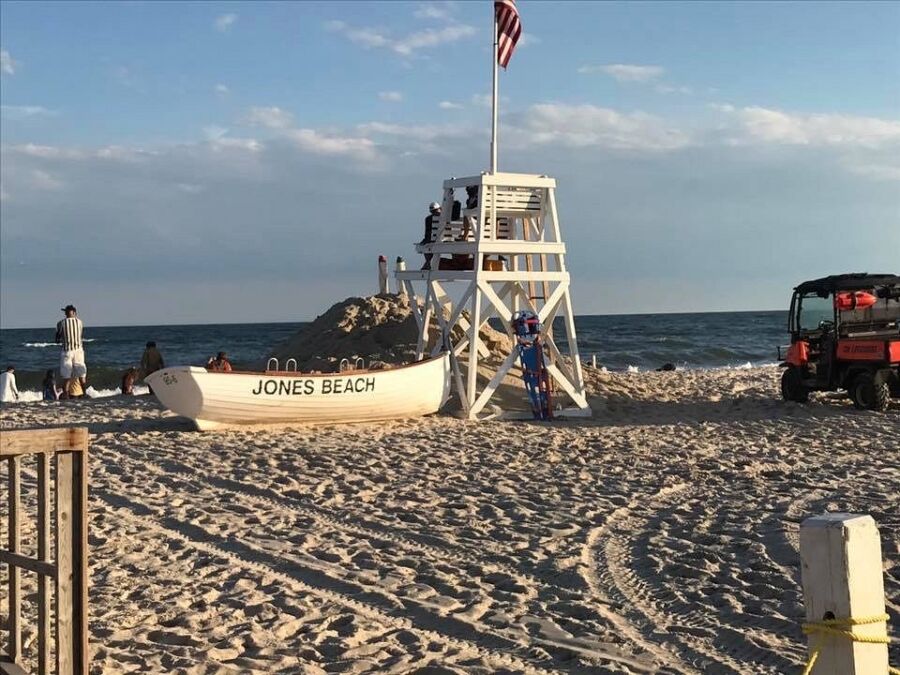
{"x":382,"y":276}
{"x":840,"y":556}
{"x":43,"y":532}
{"x":14,"y":644}
{"x":401,"y":267}
{"x":65,"y":535}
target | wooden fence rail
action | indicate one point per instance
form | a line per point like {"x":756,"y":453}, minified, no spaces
{"x":69,"y":571}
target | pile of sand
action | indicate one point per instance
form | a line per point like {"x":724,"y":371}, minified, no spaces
{"x":380,"y":329}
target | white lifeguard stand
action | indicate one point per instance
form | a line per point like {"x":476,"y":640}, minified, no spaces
{"x":517,"y":261}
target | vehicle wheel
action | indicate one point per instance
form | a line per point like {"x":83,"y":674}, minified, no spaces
{"x":870,"y":393}
{"x":792,"y":387}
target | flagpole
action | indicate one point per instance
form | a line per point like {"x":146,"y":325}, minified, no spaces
{"x":494,"y":101}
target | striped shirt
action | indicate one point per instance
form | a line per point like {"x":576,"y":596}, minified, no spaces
{"x":68,"y":333}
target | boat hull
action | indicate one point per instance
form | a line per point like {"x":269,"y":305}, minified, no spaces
{"x":213,"y":399}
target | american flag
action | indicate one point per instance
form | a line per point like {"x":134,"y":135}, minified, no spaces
{"x":509,"y":29}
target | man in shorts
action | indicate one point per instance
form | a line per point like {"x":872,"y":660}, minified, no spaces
{"x":69,"y":334}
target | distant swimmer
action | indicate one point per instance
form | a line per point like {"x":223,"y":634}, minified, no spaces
{"x":220,"y":363}
{"x":8,"y":390}
{"x":69,"y":334}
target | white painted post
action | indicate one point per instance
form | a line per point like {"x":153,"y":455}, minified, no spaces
{"x":401,"y":267}
{"x":593,"y":360}
{"x":841,"y":570}
{"x":382,"y":275}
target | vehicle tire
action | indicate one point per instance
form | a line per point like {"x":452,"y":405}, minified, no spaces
{"x":871,"y":392}
{"x":792,"y":387}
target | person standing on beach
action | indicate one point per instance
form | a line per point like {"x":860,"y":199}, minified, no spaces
{"x":69,"y":334}
{"x":8,"y":390}
{"x":151,"y":361}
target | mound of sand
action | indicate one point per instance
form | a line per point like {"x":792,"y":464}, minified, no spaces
{"x":380,"y":329}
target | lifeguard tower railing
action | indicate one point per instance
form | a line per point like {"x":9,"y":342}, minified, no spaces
{"x":61,"y":457}
{"x":505,"y":246}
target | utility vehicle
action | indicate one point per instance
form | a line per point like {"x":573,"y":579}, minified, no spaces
{"x":845,"y":334}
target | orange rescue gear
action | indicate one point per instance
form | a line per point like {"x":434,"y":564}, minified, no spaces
{"x":798,"y":353}
{"x":854,"y":300}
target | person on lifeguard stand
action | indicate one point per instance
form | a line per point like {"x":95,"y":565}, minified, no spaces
{"x":433,"y":217}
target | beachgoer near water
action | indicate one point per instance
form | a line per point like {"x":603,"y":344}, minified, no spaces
{"x":151,"y":360}
{"x":69,"y":334}
{"x":48,"y":387}
{"x":128,"y":379}
{"x":73,"y":388}
{"x":8,"y":390}
{"x":220,"y":363}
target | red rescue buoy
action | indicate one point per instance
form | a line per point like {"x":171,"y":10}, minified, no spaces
{"x":855,"y":300}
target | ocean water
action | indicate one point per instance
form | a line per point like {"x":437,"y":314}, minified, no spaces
{"x":620,"y":342}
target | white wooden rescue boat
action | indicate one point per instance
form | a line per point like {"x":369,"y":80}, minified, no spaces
{"x":213,"y":398}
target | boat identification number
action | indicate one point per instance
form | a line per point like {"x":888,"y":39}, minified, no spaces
{"x":308,"y":387}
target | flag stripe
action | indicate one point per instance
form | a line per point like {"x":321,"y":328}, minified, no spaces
{"x":509,"y":29}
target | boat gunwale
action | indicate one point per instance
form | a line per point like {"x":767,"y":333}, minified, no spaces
{"x":297,"y":373}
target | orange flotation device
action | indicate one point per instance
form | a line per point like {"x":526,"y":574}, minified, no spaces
{"x":854,"y":300}
{"x":798,"y":354}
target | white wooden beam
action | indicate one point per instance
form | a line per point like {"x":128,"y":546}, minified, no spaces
{"x":841,"y":571}
{"x":491,"y":387}
{"x":568,"y":387}
{"x":474,"y":340}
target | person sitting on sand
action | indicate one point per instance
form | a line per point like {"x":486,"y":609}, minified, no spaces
{"x":8,"y":390}
{"x":128,"y":379}
{"x":220,"y":363}
{"x":49,"y":392}
{"x":73,"y":388}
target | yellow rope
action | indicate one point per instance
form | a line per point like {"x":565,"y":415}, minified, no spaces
{"x":843,"y":628}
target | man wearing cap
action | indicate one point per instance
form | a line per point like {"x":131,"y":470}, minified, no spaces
{"x":432,"y":219}
{"x":69,"y":334}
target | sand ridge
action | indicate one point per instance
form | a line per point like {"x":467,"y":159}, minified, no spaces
{"x":660,"y":536}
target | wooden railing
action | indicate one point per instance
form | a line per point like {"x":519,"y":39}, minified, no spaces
{"x":69,"y":449}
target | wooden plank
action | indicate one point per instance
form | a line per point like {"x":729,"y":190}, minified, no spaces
{"x":65,"y":637}
{"x":80,"y":562}
{"x":14,"y":640}
{"x":43,"y":534}
{"x":841,"y":572}
{"x":493,"y":384}
{"x":474,"y":341}
{"x":28,"y":441}
{"x":43,"y":567}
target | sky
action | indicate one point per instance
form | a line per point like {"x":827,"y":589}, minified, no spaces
{"x":208,"y":162}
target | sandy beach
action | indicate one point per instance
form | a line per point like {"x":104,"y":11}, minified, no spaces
{"x":659,"y":536}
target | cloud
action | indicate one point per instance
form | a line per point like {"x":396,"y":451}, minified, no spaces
{"x":271,"y":117}
{"x":449,"y":105}
{"x":672,"y":89}
{"x":392,"y":96}
{"x":437,"y":11}
{"x":754,"y":124}
{"x":582,"y":126}
{"x":214,"y":132}
{"x":7,"y":63}
{"x":224,"y":22}
{"x":528,"y":39}
{"x":319,"y":143}
{"x":222,"y":90}
{"x":375,"y":38}
{"x":23,"y":112}
{"x":626,"y":72}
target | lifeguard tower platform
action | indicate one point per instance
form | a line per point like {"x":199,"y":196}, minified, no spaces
{"x":505,"y":254}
